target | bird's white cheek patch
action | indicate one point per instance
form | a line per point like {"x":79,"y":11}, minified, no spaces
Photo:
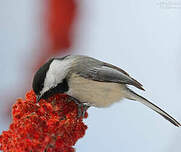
{"x":48,"y":83}
{"x":59,"y":69}
{"x":56,"y":73}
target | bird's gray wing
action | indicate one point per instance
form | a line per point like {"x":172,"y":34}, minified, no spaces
{"x":126,"y":76}
{"x":104,"y":72}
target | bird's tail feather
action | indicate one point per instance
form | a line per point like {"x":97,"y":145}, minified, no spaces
{"x":134,"y":96}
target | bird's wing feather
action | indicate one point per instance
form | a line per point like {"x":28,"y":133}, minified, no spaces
{"x":105,"y":72}
{"x":133,"y":81}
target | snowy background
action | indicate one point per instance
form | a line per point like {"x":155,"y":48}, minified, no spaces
{"x":141,"y":37}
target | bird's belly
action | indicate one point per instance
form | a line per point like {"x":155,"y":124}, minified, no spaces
{"x":100,"y":94}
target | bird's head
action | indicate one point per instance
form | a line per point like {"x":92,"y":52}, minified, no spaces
{"x":51,"y":78}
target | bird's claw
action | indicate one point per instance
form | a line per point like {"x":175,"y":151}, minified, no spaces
{"x":82,"y":108}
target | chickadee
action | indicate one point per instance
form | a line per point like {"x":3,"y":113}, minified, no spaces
{"x":89,"y":82}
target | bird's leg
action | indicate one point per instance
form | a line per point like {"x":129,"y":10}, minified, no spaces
{"x":85,"y":107}
{"x":81,"y":107}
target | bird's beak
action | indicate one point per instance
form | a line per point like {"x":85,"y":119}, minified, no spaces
{"x":38,"y":98}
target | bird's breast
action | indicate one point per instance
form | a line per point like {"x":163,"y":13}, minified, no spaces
{"x":100,"y":94}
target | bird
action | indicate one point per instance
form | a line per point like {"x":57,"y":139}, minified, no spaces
{"x":89,"y":82}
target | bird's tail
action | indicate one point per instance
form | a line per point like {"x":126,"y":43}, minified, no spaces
{"x":134,"y":96}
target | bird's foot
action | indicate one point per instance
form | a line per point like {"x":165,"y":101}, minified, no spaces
{"x":85,"y":107}
{"x":82,"y":108}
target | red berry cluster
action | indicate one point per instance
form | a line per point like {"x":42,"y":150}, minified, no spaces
{"x":50,"y":126}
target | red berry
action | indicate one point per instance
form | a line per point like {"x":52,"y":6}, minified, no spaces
{"x":52,"y":125}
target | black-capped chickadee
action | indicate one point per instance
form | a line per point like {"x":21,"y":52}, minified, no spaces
{"x":89,"y":82}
